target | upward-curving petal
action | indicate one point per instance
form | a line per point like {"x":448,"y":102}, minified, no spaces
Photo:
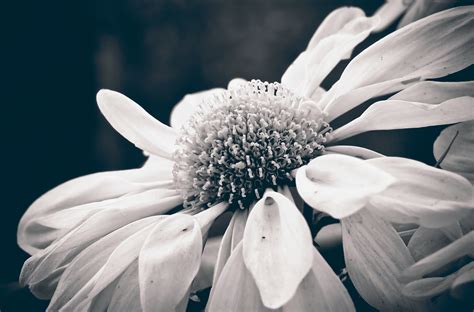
{"x":136,"y":125}
{"x":277,"y":248}
{"x":432,"y":47}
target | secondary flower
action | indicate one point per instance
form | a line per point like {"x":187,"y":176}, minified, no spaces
{"x":131,"y":240}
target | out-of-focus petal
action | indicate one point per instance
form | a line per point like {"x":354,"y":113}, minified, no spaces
{"x":459,"y":158}
{"x":354,"y":151}
{"x":423,"y":194}
{"x":334,"y":41}
{"x":236,"y":290}
{"x":396,"y":114}
{"x":375,"y":258}
{"x":205,"y":274}
{"x":433,"y":47}
{"x":340,"y":185}
{"x":457,"y":249}
{"x":136,"y":125}
{"x":390,"y":11}
{"x":190,"y":104}
{"x":422,"y":8}
{"x":320,"y":290}
{"x":463,"y":285}
{"x":168,"y":262}
{"x":277,"y":248}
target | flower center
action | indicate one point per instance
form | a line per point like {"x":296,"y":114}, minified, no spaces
{"x":245,"y":141}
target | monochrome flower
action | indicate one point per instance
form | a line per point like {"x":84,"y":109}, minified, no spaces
{"x":132,"y":239}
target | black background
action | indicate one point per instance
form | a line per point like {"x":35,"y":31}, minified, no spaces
{"x":57,"y":55}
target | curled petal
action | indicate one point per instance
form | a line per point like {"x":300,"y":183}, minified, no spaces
{"x":389,"y":12}
{"x":459,"y":154}
{"x":422,"y":194}
{"x":432,"y":47}
{"x":136,"y":125}
{"x":277,"y":248}
{"x":395,"y":114}
{"x":340,"y":185}
{"x":375,"y":258}
{"x":168,"y":262}
{"x":463,"y":285}
{"x":126,"y":296}
{"x":190,"y":104}
{"x":354,"y":151}
{"x":421,"y":8}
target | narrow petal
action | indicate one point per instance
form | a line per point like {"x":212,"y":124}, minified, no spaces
{"x":277,"y":248}
{"x":455,"y":250}
{"x":435,"y":92}
{"x":320,"y":290}
{"x":168,"y":262}
{"x":334,"y":41}
{"x":423,"y":194}
{"x":205,"y":274}
{"x":396,"y":114}
{"x":389,"y":12}
{"x":354,"y":151}
{"x":126,"y":296}
{"x":432,"y":47}
{"x":236,"y":289}
{"x":136,"y":125}
{"x":463,"y":285}
{"x":423,"y":8}
{"x":190,"y":104}
{"x":375,"y":258}
{"x":340,"y":185}
{"x":459,"y":157}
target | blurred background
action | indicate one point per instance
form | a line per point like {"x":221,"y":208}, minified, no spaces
{"x":56,"y":55}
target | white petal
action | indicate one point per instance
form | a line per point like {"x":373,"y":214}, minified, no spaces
{"x":422,"y":8}
{"x":320,"y":290}
{"x":435,"y":92}
{"x":459,"y":158}
{"x":433,"y":47}
{"x":277,"y":248}
{"x":334,"y":41}
{"x":396,"y":114}
{"x":236,"y":290}
{"x":354,"y":151}
{"x":375,"y":257}
{"x":168,"y":262}
{"x":136,"y":125}
{"x":422,"y":194}
{"x":340,"y":185}
{"x":190,"y":104}
{"x":463,"y":285}
{"x":205,"y":274}
{"x":389,"y":12}
{"x":126,"y":296}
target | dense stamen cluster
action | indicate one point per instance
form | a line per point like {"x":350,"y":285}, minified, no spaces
{"x":245,"y":141}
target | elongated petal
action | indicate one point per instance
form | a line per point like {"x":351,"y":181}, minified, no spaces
{"x":422,"y":194}
{"x":459,"y":158}
{"x":354,"y":151}
{"x":340,"y":185}
{"x":396,"y":114}
{"x":457,"y":249}
{"x":422,"y":8}
{"x":190,"y":104}
{"x":126,"y":296}
{"x":205,"y":274}
{"x":389,"y":12}
{"x":375,"y":258}
{"x":320,"y":290}
{"x":236,"y":289}
{"x":86,"y":265}
{"x":433,"y":47}
{"x":334,"y":41}
{"x":463,"y":285}
{"x":277,"y":248}
{"x":136,"y":125}
{"x":435,"y":92}
{"x":168,"y":262}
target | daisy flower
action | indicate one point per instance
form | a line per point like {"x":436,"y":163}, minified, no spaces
{"x":133,"y":240}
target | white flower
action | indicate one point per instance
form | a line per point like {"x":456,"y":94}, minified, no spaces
{"x":122,"y":240}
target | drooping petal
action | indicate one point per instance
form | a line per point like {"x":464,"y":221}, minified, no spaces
{"x":236,"y":289}
{"x":354,"y":151}
{"x":136,"y":125}
{"x":389,"y":12}
{"x":168,"y":262}
{"x":422,"y":194}
{"x":320,"y":290}
{"x":334,"y":41}
{"x":375,"y":258}
{"x":432,"y":47}
{"x":340,"y":185}
{"x":277,"y":248}
{"x":457,"y":249}
{"x":126,"y":296}
{"x":205,"y":274}
{"x":459,"y":158}
{"x":190,"y":104}
{"x":463,"y":285}
{"x":396,"y":114}
{"x":421,"y":8}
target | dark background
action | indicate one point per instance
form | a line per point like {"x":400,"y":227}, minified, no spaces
{"x":57,"y":55}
